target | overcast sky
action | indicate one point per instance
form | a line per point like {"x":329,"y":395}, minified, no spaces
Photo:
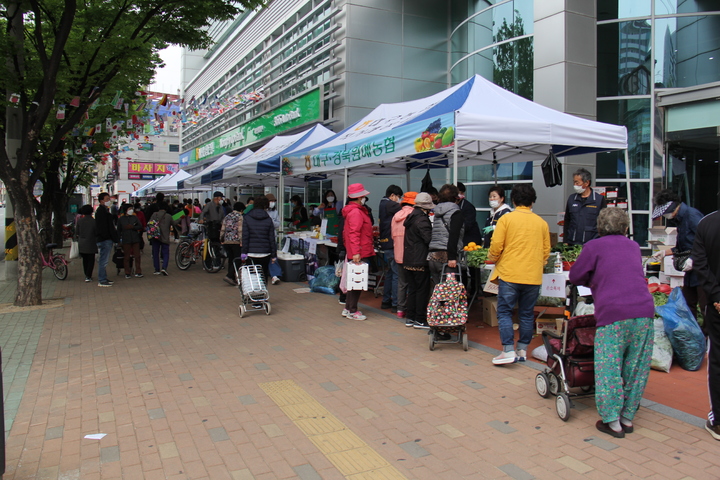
{"x":167,"y":79}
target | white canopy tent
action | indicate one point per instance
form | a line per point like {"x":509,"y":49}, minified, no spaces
{"x":196,"y":179}
{"x":142,"y":191}
{"x":169,"y":184}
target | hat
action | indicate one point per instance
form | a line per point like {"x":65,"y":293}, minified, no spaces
{"x":271,"y":197}
{"x":424,"y":200}
{"x":218,"y":194}
{"x":356,"y":190}
{"x":661,"y":210}
{"x":409,"y":197}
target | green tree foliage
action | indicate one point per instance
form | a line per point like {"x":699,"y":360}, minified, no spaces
{"x":513,"y":63}
{"x":57,"y":50}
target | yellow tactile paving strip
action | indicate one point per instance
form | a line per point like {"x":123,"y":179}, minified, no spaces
{"x":354,"y":458}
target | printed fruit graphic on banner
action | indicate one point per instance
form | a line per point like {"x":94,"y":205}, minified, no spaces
{"x":434,"y":137}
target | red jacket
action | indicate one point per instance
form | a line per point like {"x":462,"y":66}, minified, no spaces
{"x":357,"y":232}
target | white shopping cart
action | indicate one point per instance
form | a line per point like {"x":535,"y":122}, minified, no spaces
{"x":253,"y":291}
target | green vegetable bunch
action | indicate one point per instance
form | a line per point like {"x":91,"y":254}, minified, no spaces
{"x":569,"y":253}
{"x":477,"y":258}
{"x":659,"y":298}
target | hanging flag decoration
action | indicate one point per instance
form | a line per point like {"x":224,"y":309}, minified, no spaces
{"x":75,"y":102}
{"x":60,"y":115}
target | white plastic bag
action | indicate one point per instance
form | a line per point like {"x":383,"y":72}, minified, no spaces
{"x":662,"y":349}
{"x":540,"y":353}
{"x":74,"y":250}
{"x":357,"y":276}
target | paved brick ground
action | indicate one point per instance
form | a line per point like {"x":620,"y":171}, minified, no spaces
{"x":179,"y":383}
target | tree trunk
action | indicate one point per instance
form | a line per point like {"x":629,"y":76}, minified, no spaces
{"x":59,"y":212}
{"x":29,"y":287}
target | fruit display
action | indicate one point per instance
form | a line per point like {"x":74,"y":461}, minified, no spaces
{"x":476,"y":255}
{"x":435,"y":137}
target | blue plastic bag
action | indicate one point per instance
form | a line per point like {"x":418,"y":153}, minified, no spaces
{"x":275,"y":269}
{"x":325,"y":280}
{"x":686,"y":338}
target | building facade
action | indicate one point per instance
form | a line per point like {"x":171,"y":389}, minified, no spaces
{"x":650,"y":65}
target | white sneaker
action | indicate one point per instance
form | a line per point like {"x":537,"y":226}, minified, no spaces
{"x":356,"y":316}
{"x":521,"y":355}
{"x":505,"y":358}
{"x":275,"y":280}
{"x":345,"y":312}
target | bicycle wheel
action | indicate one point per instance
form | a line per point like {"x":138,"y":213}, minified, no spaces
{"x":60,"y":270}
{"x":213,"y":261}
{"x":183,"y":256}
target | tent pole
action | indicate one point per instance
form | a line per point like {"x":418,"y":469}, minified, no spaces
{"x":346,"y":186}
{"x":629,"y":190}
{"x":455,"y":156}
{"x":407,"y":181}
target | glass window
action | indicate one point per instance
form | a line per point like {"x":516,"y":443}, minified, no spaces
{"x":687,"y":51}
{"x":624,"y":60}
{"x":667,"y":7}
{"x":174,"y":148}
{"x":635,"y":115}
{"x":513,"y":67}
{"x":640,"y":228}
{"x":611,"y":9}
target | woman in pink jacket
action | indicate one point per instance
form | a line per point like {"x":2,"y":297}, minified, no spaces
{"x":358,"y":241}
{"x":398,"y":235}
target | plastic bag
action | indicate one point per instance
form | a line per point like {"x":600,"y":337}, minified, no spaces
{"x":662,"y":349}
{"x":686,"y":338}
{"x":325,"y":280}
{"x":74,"y":250}
{"x":540,"y":353}
{"x":583,"y":308}
{"x":339,"y":268}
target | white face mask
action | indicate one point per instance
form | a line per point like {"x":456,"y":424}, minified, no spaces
{"x":494,"y":203}
{"x":130,"y":211}
{"x":330,"y":199}
{"x":272,"y":204}
{"x":579,"y":188}
{"x":364,"y":199}
{"x":669,"y":216}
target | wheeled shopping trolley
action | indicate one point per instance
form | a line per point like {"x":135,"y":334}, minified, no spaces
{"x":253,"y":291}
{"x":448,"y":311}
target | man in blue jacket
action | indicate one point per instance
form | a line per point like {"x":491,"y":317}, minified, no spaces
{"x":582,"y":210}
{"x":106,"y":235}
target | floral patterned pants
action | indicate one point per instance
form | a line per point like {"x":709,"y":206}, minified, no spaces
{"x":623,"y":351}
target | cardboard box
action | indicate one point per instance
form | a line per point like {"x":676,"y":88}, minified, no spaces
{"x":553,"y":238}
{"x":490,"y":312}
{"x":676,"y":281}
{"x":662,"y":236}
{"x":550,"y":324}
{"x":669,"y":268}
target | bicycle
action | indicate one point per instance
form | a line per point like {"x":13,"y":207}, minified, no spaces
{"x":209,"y":252}
{"x":55,"y":261}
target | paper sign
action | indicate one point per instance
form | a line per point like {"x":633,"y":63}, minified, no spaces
{"x":491,"y":287}
{"x":584,"y":291}
{"x":312,"y":247}
{"x":95,"y":436}
{"x":323,"y":227}
{"x":286,"y":247}
{"x":553,"y":285}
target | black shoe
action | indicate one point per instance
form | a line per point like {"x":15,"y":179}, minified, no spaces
{"x":443,"y":336}
{"x":605,"y":428}
{"x":421,"y":326}
{"x":385,"y":306}
{"x":393,"y":309}
{"x":128,"y":276}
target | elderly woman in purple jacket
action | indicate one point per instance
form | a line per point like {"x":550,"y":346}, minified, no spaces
{"x":611,"y":266}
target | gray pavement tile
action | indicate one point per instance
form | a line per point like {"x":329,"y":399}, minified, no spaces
{"x":139,"y":366}
{"x":400,"y":400}
{"x":403,"y":373}
{"x":414,"y":449}
{"x":278,"y":348}
{"x":285,"y":329}
{"x":54,"y":432}
{"x":227,"y":337}
{"x":602,"y":443}
{"x":128,"y":337}
{"x":501,"y":427}
{"x":515,"y":472}
{"x":394,"y":348}
{"x":61,"y":379}
{"x":396,"y":334}
{"x":262,"y":366}
{"x":474,"y":384}
{"x":155,"y":413}
{"x":330,"y":386}
{"x":102,"y":391}
{"x":211,"y":356}
{"x":467,"y":362}
{"x":189,"y":330}
{"x":339,"y":340}
{"x":307,"y":472}
{"x":247,"y":400}
{"x":186,"y":377}
{"x":165,"y":343}
{"x":218,"y":434}
{"x":98,"y":353}
{"x":340,"y":323}
{"x":110,"y":454}
{"x":330,"y":357}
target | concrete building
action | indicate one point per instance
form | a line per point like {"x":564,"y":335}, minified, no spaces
{"x":651,"y":65}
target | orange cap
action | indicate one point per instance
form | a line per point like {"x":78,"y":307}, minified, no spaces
{"x":409,"y":197}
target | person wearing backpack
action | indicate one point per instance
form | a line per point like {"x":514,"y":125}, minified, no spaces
{"x":231,"y":238}
{"x":448,"y":230}
{"x":130,"y":231}
{"x":418,"y":233}
{"x":161,"y":240}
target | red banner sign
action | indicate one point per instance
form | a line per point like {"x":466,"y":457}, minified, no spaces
{"x":149,"y":168}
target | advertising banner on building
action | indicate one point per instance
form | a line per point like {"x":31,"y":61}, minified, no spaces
{"x":304,"y":109}
{"x":410,"y":139}
{"x":141,"y":170}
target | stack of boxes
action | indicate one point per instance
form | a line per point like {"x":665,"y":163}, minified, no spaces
{"x":661,"y":238}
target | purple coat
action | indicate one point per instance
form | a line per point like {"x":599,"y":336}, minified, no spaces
{"x":612,"y":267}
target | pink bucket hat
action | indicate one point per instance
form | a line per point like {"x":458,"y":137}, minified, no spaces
{"x":356,"y":190}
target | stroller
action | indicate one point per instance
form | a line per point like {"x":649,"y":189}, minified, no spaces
{"x":570,"y":362}
{"x":253,"y":292}
{"x":447,"y":311}
{"x":119,"y":259}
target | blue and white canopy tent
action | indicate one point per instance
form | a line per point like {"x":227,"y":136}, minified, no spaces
{"x":142,"y":191}
{"x":169,"y":183}
{"x":218,"y":175}
{"x":196,"y":180}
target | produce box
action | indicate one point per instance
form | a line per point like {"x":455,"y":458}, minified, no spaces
{"x":676,"y":281}
{"x":550,"y":324}
{"x":669,"y":268}
{"x":662,"y":236}
{"x":490,"y":312}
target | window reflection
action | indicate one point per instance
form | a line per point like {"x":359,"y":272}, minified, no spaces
{"x":624,"y":60}
{"x":668,"y":7}
{"x":687,"y":51}
{"x":612,"y":9}
{"x":635,"y":115}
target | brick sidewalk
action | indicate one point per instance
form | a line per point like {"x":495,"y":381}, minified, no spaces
{"x":185,"y":389}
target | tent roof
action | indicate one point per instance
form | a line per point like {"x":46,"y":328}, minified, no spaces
{"x":195,"y":180}
{"x":169,"y":184}
{"x":490,"y":124}
{"x":141,"y":191}
{"x":218,"y":177}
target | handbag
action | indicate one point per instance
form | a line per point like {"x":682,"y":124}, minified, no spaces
{"x":275,"y":269}
{"x":552,"y":170}
{"x":680,"y":258}
{"x":74,"y":250}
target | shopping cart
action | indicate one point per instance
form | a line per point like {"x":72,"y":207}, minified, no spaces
{"x":448,"y":311}
{"x":253,"y":292}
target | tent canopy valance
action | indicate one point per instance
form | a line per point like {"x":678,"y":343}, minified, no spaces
{"x":169,"y":184}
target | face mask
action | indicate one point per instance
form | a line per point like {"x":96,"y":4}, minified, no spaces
{"x":364,"y":199}
{"x":461,"y":196}
{"x":494,"y":203}
{"x":330,"y":199}
{"x":272,"y":204}
{"x":130,"y":211}
{"x":579,"y":188}
{"x":669,"y":216}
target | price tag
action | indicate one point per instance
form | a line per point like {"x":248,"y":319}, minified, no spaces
{"x":286,"y":247}
{"x":323,"y":228}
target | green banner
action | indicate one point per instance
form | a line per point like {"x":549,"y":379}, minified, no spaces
{"x":302,"y":110}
